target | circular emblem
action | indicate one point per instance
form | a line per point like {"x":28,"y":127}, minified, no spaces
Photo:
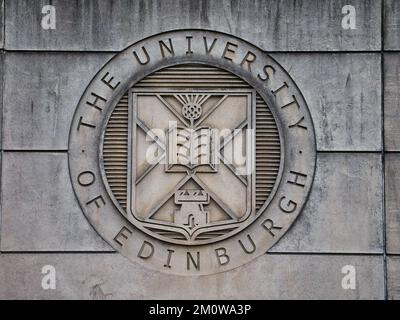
{"x":192,"y":152}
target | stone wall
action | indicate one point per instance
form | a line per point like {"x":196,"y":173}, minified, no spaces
{"x":350,"y":79}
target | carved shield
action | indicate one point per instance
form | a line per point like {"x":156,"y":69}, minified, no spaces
{"x":191,"y":155}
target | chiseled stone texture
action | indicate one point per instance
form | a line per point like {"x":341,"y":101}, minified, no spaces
{"x":392,"y":101}
{"x":110,"y":276}
{"x":344,"y":211}
{"x":391,"y":28}
{"x":343,"y":92}
{"x":39,"y":209}
{"x":392,"y":181}
{"x":393,"y":277}
{"x":42,"y":91}
{"x":281,"y":25}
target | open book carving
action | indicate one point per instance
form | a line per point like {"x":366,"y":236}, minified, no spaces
{"x":191,"y":148}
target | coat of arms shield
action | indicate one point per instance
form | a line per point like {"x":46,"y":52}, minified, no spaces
{"x":191,"y":162}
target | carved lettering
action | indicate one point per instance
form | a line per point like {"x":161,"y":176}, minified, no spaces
{"x":292,"y":103}
{"x":142,"y":62}
{"x":269,"y":226}
{"x":287,"y":206}
{"x":168,"y":264}
{"x":253,"y":246}
{"x":98,"y":201}
{"x":222,"y":257}
{"x":275,"y":92}
{"x":229,"y":51}
{"x":86,"y":178}
{"x":146,"y":250}
{"x":190,"y":260}
{"x":109,"y":81}
{"x":266,"y":75}
{"x":298,"y":124}
{"x":122,"y":235}
{"x":189,"y":44}
{"x":85,"y":124}
{"x":298,"y":176}
{"x":248,"y":59}
{"x":94,"y":103}
{"x":208,"y":49}
{"x":169,"y":48}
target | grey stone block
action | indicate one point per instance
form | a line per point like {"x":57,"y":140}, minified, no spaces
{"x":110,"y":276}
{"x":343,"y":92}
{"x":392,"y":101}
{"x":39,"y":209}
{"x":392,"y":199}
{"x":312,"y":25}
{"x":391,"y":25}
{"x":393,"y":277}
{"x":344,"y":211}
{"x":41,"y":93}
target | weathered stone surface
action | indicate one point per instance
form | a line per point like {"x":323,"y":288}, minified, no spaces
{"x":392,"y":199}
{"x":342,"y":223}
{"x":393,"y":277}
{"x":391,"y":25}
{"x":272,"y":25}
{"x":392,"y":101}
{"x":39,"y":209}
{"x":343,"y":92}
{"x":41,"y":94}
{"x":344,"y":211}
{"x":110,"y":276}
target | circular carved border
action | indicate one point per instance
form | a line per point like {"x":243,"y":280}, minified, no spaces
{"x":247,"y":62}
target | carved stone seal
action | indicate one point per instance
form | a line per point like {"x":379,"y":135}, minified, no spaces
{"x":192,"y":152}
